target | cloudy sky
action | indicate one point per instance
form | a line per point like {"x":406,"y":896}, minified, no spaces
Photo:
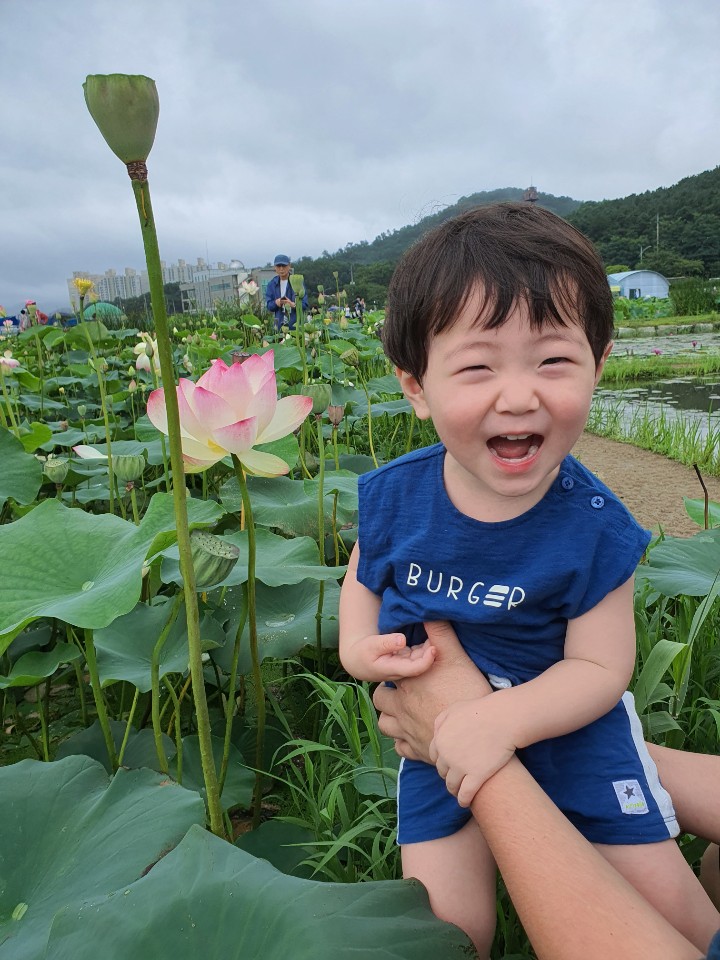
{"x":297,"y":127}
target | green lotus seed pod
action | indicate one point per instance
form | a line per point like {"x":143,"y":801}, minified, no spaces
{"x":128,"y":467}
{"x":321,"y":396}
{"x":125,"y":109}
{"x":212,"y":558}
{"x":56,"y":469}
{"x":351,"y":357}
{"x":81,"y":409}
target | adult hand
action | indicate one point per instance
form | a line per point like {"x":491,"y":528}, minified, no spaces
{"x":408,"y":710}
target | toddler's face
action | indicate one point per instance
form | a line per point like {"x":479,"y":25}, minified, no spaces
{"x":508,"y":404}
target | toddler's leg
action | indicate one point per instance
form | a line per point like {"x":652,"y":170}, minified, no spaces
{"x":662,"y":875}
{"x":460,"y":876}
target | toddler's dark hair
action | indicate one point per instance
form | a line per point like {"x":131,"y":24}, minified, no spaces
{"x":514,"y":252}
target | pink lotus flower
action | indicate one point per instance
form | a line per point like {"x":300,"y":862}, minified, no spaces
{"x":657,"y":352}
{"x":230,"y":410}
{"x":213,"y":336}
{"x":7,"y":360}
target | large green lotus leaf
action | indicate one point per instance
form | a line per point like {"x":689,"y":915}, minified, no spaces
{"x":285,"y":621}
{"x":239,"y":782}
{"x":78,"y":567}
{"x":284,"y":845}
{"x":292,"y":505}
{"x":33,"y":667}
{"x":279,"y":561}
{"x":382,"y":386}
{"x":140,"y":750}
{"x":69,"y":833}
{"x":696,"y":511}
{"x":209,"y":899}
{"x":78,"y":336}
{"x":681,"y":565}
{"x":73,"y":436}
{"x":124,"y":648}
{"x":20,"y":473}
{"x":37,"y":435}
{"x":41,"y":404}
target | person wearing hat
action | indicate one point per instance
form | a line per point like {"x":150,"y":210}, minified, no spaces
{"x":280,"y":294}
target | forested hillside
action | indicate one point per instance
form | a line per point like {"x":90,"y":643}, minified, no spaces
{"x":675,"y":230}
{"x":685,"y":218}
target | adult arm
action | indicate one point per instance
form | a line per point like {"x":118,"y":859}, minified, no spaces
{"x":693,"y":782}
{"x":571,"y":902}
{"x":272,"y":291}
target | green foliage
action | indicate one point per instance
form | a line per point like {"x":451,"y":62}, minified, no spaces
{"x":690,"y":297}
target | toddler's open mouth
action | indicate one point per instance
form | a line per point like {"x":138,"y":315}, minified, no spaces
{"x":515,"y":446}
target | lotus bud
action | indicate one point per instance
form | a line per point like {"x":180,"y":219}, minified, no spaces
{"x":297,"y":282}
{"x":321,"y":298}
{"x":335,"y":274}
{"x":212,"y":558}
{"x":61,"y":391}
{"x":128,"y":467}
{"x":321,"y":396}
{"x":56,"y":468}
{"x":82,"y":410}
{"x":351,"y":357}
{"x":132,"y":386}
{"x":321,"y":288}
{"x":125,"y":109}
{"x":336,"y":412}
{"x":131,"y":371}
{"x":343,"y":323}
{"x":149,"y":349}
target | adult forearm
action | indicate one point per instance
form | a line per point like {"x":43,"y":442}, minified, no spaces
{"x":571,"y":901}
{"x":693,"y":782}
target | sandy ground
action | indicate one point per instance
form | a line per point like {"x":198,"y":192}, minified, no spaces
{"x":651,"y":486}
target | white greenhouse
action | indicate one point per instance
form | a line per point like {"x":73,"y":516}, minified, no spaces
{"x":636,"y":284}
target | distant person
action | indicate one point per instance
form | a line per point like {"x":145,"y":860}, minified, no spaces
{"x":280,"y":296}
{"x":499,"y":326}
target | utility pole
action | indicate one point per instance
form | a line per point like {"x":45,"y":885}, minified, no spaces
{"x":657,"y":232}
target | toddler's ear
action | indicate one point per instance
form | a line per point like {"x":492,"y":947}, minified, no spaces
{"x":414,"y":392}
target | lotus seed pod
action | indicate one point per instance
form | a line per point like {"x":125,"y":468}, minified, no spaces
{"x":212,"y":558}
{"x":320,"y":394}
{"x":125,"y":109}
{"x":82,"y":410}
{"x":128,"y":467}
{"x":56,"y":469}
{"x":351,"y":357}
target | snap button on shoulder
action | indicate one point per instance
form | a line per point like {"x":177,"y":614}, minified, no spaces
{"x":597,"y":502}
{"x":567,"y":483}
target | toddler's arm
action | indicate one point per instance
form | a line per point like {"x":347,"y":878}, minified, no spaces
{"x":366,"y":654}
{"x":476,"y":738}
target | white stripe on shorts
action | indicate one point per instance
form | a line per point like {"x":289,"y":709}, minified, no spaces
{"x":662,"y":797}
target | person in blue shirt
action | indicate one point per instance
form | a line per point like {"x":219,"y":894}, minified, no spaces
{"x":499,"y":323}
{"x":280,"y":296}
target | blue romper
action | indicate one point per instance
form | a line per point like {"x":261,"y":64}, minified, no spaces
{"x":509,"y":589}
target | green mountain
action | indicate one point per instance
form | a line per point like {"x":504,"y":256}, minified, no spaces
{"x":675,"y":230}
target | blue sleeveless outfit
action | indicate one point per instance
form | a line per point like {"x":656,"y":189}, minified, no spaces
{"x":509,"y":589}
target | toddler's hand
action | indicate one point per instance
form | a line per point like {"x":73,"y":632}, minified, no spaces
{"x":390,"y":658}
{"x":469,"y":746}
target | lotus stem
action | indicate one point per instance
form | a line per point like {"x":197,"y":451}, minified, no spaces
{"x":252,"y":632}
{"x":155,"y":679}
{"x":229,"y":710}
{"x":98,"y":697}
{"x":141,"y":190}
{"x":128,"y":725}
{"x":321,"y":542}
{"x":178,"y":731}
{"x":106,"y":420}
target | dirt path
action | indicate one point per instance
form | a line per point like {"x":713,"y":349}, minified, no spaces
{"x":650,"y":485}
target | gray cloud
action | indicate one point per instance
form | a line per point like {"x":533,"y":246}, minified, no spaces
{"x":303,"y":127}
